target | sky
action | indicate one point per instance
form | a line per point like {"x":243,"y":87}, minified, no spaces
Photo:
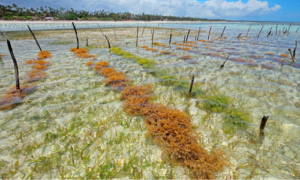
{"x":256,"y":10}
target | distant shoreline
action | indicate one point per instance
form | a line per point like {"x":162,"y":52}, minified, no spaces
{"x":103,"y":22}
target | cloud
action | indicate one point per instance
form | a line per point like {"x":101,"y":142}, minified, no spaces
{"x":210,"y":8}
{"x":221,"y":8}
{"x":193,"y":8}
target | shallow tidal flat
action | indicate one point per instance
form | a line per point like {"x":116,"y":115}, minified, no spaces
{"x":73,"y":125}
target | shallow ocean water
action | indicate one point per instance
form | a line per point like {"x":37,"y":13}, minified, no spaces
{"x":73,"y":125}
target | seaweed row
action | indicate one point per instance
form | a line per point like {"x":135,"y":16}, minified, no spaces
{"x":13,"y":96}
{"x":172,"y":131}
{"x":204,"y":42}
{"x":39,"y":67}
{"x":114,"y":78}
{"x":234,"y":119}
{"x":170,"y":128}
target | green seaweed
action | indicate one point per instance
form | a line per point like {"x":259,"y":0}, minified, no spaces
{"x":216,"y":103}
{"x":57,"y":42}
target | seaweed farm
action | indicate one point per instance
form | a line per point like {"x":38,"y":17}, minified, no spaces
{"x":162,"y":101}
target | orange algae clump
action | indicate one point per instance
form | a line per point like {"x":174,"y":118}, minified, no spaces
{"x":202,"y":40}
{"x":284,"y":55}
{"x":36,"y":74}
{"x":83,"y":55}
{"x":185,"y":57}
{"x":44,"y":54}
{"x":186,"y":48}
{"x":156,"y":43}
{"x":178,"y":47}
{"x":39,"y":62}
{"x":165,"y":52}
{"x":136,"y":98}
{"x":116,"y":79}
{"x":12,"y":97}
{"x":80,"y":51}
{"x":174,"y":42}
{"x":73,"y":49}
{"x":39,"y":67}
{"x":269,"y":53}
{"x":1,"y":55}
{"x":107,"y":71}
{"x":101,"y":64}
{"x":89,"y":63}
{"x":172,"y":131}
{"x":163,"y":45}
{"x":154,"y":50}
{"x":144,"y":46}
{"x":180,"y":44}
{"x":148,"y":49}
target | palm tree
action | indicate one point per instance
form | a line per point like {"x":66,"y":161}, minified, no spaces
{"x":14,"y":6}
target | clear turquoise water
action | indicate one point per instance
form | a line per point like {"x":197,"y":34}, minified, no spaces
{"x":256,"y":80}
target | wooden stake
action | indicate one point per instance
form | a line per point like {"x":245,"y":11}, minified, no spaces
{"x":115,"y":34}
{"x":152,"y":35}
{"x":223,"y":31}
{"x":297,"y":29}
{"x":35,"y":38}
{"x":144,"y":28}
{"x":107,"y":41}
{"x":276,"y":28}
{"x":221,"y":67}
{"x":269,"y":34}
{"x":239,"y":35}
{"x":170,"y":39}
{"x":249,"y":30}
{"x":101,"y":30}
{"x":76,"y":34}
{"x":294,"y":54}
{"x":191,"y":87}
{"x":87,"y":42}
{"x":187,"y":37}
{"x":262,"y":128}
{"x":137,"y":36}
{"x":260,"y":31}
{"x":184,"y":39}
{"x":209,"y":33}
{"x":15,"y":65}
{"x":289,"y":29}
{"x":198,"y":34}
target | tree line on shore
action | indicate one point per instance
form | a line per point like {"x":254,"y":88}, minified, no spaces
{"x":21,"y":13}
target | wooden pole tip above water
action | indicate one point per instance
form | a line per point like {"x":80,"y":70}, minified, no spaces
{"x":263,"y":124}
{"x":15,"y":65}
